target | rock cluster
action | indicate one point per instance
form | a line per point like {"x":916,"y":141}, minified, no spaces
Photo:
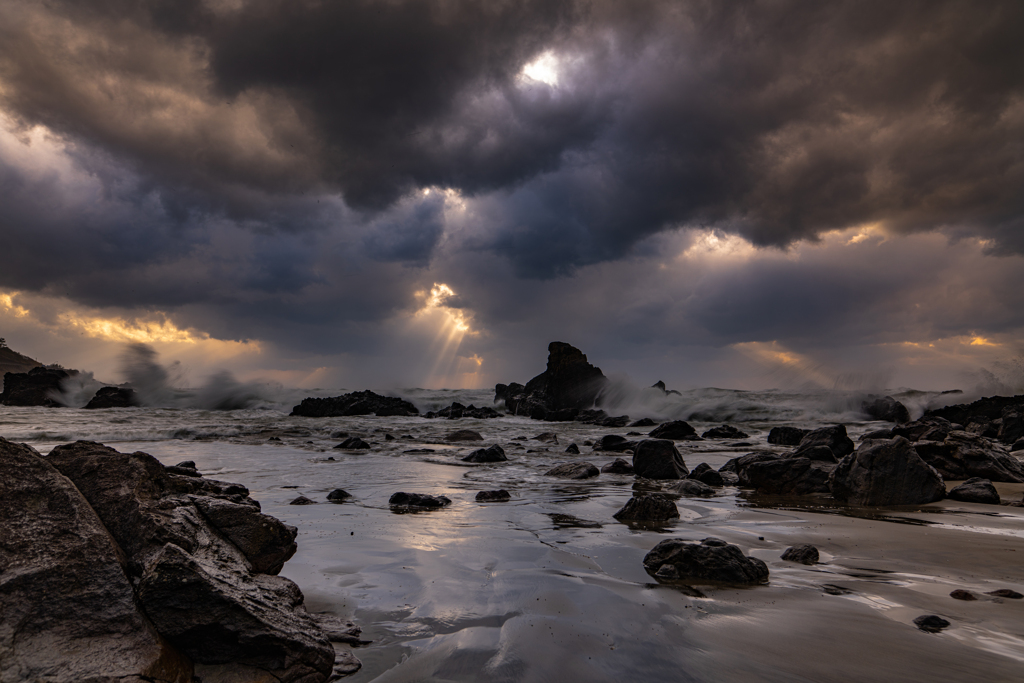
{"x":886,"y":408}
{"x":38,"y":387}
{"x":456,"y":411}
{"x":356,"y":403}
{"x":570,"y":384}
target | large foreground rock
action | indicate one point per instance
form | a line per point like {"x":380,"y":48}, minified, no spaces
{"x":964,"y":455}
{"x":886,"y":472}
{"x":786,"y":476}
{"x":67,"y":610}
{"x":568,"y":385}
{"x":356,"y":403}
{"x":194,"y":560}
{"x":712,"y":560}
{"x":834,"y":437}
{"x":658,"y":459}
{"x":37,"y":387}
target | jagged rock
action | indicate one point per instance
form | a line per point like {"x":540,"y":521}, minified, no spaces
{"x":711,"y":560}
{"x":338,"y":495}
{"x":1011,"y":429}
{"x":706,"y":474}
{"x":677,"y":430}
{"x":113,"y":397}
{"x":886,"y":473}
{"x":736,"y":464}
{"x":928,"y":428}
{"x":180,"y":559}
{"x":493,"y":453}
{"x":982,"y":411}
{"x":886,"y":408}
{"x":499,"y":496}
{"x":804,"y":554}
{"x":661,"y":387}
{"x":546,"y":437}
{"x":38,"y":387}
{"x":931,"y":623}
{"x":786,"y":476}
{"x":617,"y":466}
{"x":464,"y":435}
{"x":574,"y":470}
{"x":877,"y":434}
{"x":456,"y":411}
{"x":975,"y":490}
{"x":568,"y":383}
{"x":644,"y":422}
{"x":572,"y":449}
{"x":356,"y":403}
{"x":648,"y":507}
{"x":658,"y":459}
{"x":68,"y":610}
{"x":692,"y":487}
{"x":787,"y":436}
{"x":964,"y":455}
{"x":353,"y":443}
{"x":345,"y":664}
{"x":834,"y":437}
{"x":613,"y":443}
{"x":418,"y":500}
{"x":724,"y":432}
{"x":620,"y":421}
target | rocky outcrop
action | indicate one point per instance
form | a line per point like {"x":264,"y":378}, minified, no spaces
{"x":190,"y":542}
{"x":710,"y":560}
{"x":886,"y":408}
{"x":456,"y":411}
{"x":67,"y":605}
{"x":356,"y":403}
{"x":660,"y":386}
{"x":574,"y":470}
{"x":113,"y":397}
{"x":834,"y":437}
{"x":658,"y":459}
{"x":786,"y":436}
{"x":648,"y":507}
{"x":570,"y":383}
{"x":976,"y":490}
{"x":353,"y":443}
{"x":493,"y":453}
{"x":928,"y":428}
{"x":983,"y":413}
{"x":38,"y":387}
{"x":964,"y":455}
{"x":14,"y":362}
{"x":886,"y":472}
{"x":677,"y":430}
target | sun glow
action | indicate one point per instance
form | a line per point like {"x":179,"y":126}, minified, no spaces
{"x":543,"y":69}
{"x":451,"y":324}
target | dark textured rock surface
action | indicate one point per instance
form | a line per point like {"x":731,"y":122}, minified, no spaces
{"x":67,"y":609}
{"x":928,"y":428}
{"x":692,"y":487}
{"x":736,"y":464}
{"x":975,"y":490}
{"x":353,"y":443}
{"x":464,"y":435}
{"x":338,"y":495}
{"x":497,"y":496}
{"x":613,"y":443}
{"x":931,"y":623}
{"x":574,"y":470}
{"x":658,"y":459}
{"x":618,"y":466}
{"x":804,"y":554}
{"x":982,"y":411}
{"x":572,"y":449}
{"x":456,"y":411}
{"x":786,"y":476}
{"x":886,"y":408}
{"x":960,"y":594}
{"x":712,"y":560}
{"x":648,"y":507}
{"x":834,"y":437}
{"x":418,"y":500}
{"x":643,"y":422}
{"x":786,"y":436}
{"x":356,"y":403}
{"x":964,"y":455}
{"x":569,"y":383}
{"x":819,"y":453}
{"x":1005,"y":593}
{"x":303,"y":500}
{"x":724,"y":432}
{"x":113,"y":397}
{"x":677,"y":430}
{"x":37,"y":387}
{"x":493,"y":453}
{"x":886,"y":473}
{"x":706,"y":474}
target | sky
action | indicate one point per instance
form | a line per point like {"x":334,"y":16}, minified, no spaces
{"x":397,"y":193}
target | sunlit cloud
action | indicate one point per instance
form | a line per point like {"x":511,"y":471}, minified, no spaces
{"x":713,"y":244}
{"x":449,"y":324}
{"x":543,"y":69}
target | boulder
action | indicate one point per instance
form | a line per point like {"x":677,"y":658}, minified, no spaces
{"x":1011,"y":429}
{"x":724,"y":432}
{"x":803,"y":554}
{"x":353,"y":443}
{"x":113,"y":397}
{"x":643,"y":422}
{"x":457,"y":411}
{"x":1005,"y":593}
{"x":886,"y":408}
{"x":303,"y":500}
{"x":613,"y":443}
{"x":789,"y":476}
{"x":68,"y":609}
{"x":706,"y":474}
{"x":572,"y":449}
{"x":417,"y":500}
{"x":546,"y":437}
{"x":356,"y":403}
{"x":786,"y":436}
{"x":493,"y":453}
{"x":179,"y":559}
{"x":928,"y":428}
{"x":975,"y":490}
{"x":711,"y":559}
{"x":570,"y":382}
{"x":692,"y":487}
{"x":649,"y":507}
{"x":677,"y":430}
{"x":834,"y":437}
{"x":38,"y":387}
{"x":338,"y":495}
{"x":464,"y":435}
{"x":736,"y":464}
{"x":931,"y":623}
{"x":658,"y":459}
{"x":819,"y":453}
{"x":886,"y":473}
{"x":961,"y":594}
{"x":499,"y":496}
{"x":574,"y":470}
{"x":618,"y":466}
{"x":964,"y":455}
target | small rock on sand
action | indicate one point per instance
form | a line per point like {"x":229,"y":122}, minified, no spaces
{"x":931,"y":623}
{"x":302,"y":500}
{"x":498,"y":496}
{"x":804,"y":554}
{"x":961,"y":594}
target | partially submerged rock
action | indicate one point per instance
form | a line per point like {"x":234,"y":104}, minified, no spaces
{"x":456,"y":411}
{"x":886,"y":408}
{"x":711,"y":559}
{"x":493,"y":453}
{"x":338,"y":495}
{"x":691,"y":487}
{"x":574,"y":470}
{"x":803,"y":554}
{"x":706,"y":474}
{"x":658,"y":459}
{"x":613,"y":443}
{"x":676,"y":430}
{"x":650,"y":507}
{"x":303,"y":500}
{"x":113,"y":397}
{"x":886,"y":473}
{"x":572,"y":449}
{"x":724,"y":432}
{"x":786,"y":436}
{"x":975,"y":490}
{"x":786,"y":476}
{"x":356,"y":403}
{"x":464,"y":435}
{"x":931,"y":623}
{"x":418,"y":500}
{"x":499,"y":496}
{"x":617,"y":466}
{"x":353,"y":443}
{"x":569,"y":384}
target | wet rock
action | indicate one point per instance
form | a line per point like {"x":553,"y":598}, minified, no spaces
{"x":464,"y":435}
{"x":183,"y":470}
{"x":886,"y":473}
{"x":618,"y":466}
{"x":499,"y":496}
{"x":38,"y":387}
{"x":338,"y":495}
{"x":658,"y":459}
{"x":928,"y":428}
{"x":356,"y":403}
{"x":418,"y":500}
{"x":570,"y":522}
{"x":786,"y":436}
{"x":345,"y":664}
{"x":264,"y":540}
{"x":804,"y":554}
{"x":964,"y":455}
{"x":834,"y":437}
{"x":736,"y":464}
{"x":875,"y":435}
{"x":659,"y":385}
{"x":643,"y":422}
{"x":546,"y":437}
{"x":572,"y":449}
{"x":493,"y":453}
{"x":975,"y":490}
{"x":787,"y":476}
{"x":302,"y":500}
{"x":982,"y":412}
{"x":613,"y":443}
{"x":692,"y":487}
{"x":1005,"y":593}
{"x":650,"y":507}
{"x":706,"y":474}
{"x":568,"y":383}
{"x":387,"y":437}
{"x":113,"y":397}
{"x":574,"y":470}
{"x":620,"y":421}
{"x":1018,"y":445}
{"x":677,"y":430}
{"x":724,"y":432}
{"x":419,"y":450}
{"x":712,"y":560}
{"x":886,"y":408}
{"x":457,"y":411}
{"x":960,"y":594}
{"x":353,"y":443}
{"x":819,"y":453}
{"x":931,"y":623}
{"x":68,"y":609}
{"x":190,"y":464}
